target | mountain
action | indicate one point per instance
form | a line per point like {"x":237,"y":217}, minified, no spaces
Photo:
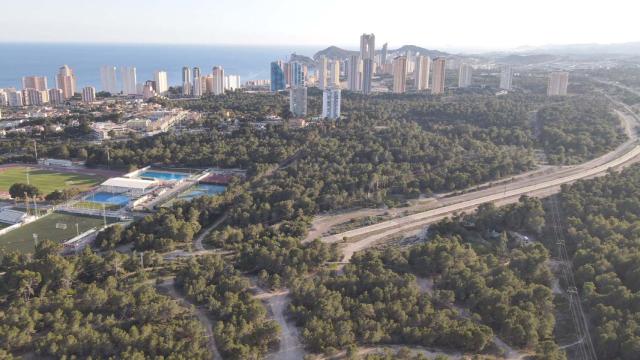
{"x":303,"y":59}
{"x":630,"y":48}
{"x":334,"y":52}
{"x":515,"y":59}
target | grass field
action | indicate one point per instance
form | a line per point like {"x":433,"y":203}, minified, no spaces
{"x":95,"y":205}
{"x":22,"y":239}
{"x":46,"y":181}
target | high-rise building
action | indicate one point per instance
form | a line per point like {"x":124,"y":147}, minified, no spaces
{"x":4,"y":98}
{"x":88,"y":94}
{"x":55,"y":96}
{"x":34,"y":82}
{"x":464,"y":75}
{"x":197,"y":82}
{"x":383,"y":54}
{"x":421,"y":73}
{"x":323,"y":72}
{"x":506,"y":77}
{"x":186,"y":81}
{"x":354,"y":73}
{"x":277,"y":76}
{"x":297,"y":74}
{"x":218,"y":80}
{"x":331,"y":98}
{"x":129,"y":80}
{"x":298,"y":101}
{"x":148,"y":90}
{"x":399,"y":74}
{"x":66,"y":81}
{"x":558,"y":83}
{"x":232,"y":82}
{"x":439,"y":68}
{"x":35,"y":97}
{"x":367,"y":55}
{"x":287,"y":73}
{"x":14,"y":98}
{"x":108,"y":79}
{"x":334,"y":74}
{"x":162,"y":82}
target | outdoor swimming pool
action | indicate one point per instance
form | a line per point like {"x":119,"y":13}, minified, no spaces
{"x":162,"y":175}
{"x":202,"y":190}
{"x":108,"y":198}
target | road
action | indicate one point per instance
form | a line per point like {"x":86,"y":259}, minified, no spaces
{"x":201,"y":314}
{"x":290,"y":346}
{"x":537,"y":184}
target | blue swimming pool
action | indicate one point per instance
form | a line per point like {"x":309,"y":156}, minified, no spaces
{"x":202,"y":190}
{"x":164,"y":176}
{"x":108,"y":198}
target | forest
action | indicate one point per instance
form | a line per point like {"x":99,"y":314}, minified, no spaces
{"x":602,"y":222}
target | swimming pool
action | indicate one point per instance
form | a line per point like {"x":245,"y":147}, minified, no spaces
{"x":161,"y":175}
{"x":108,"y":198}
{"x":202,"y":190}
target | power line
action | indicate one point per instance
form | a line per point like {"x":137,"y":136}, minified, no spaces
{"x":585,"y":346}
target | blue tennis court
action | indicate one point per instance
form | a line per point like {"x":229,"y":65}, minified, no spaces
{"x":202,"y":190}
{"x":164,"y":176}
{"x":108,"y":198}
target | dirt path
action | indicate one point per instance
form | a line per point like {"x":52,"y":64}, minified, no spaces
{"x":201,"y":314}
{"x":290,"y":346}
{"x":197,"y":242}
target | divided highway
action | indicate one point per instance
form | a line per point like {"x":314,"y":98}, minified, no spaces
{"x":539,"y":184}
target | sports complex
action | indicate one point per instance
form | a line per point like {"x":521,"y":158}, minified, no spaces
{"x":101,"y":201}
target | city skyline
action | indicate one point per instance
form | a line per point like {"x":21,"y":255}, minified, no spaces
{"x":59,"y":22}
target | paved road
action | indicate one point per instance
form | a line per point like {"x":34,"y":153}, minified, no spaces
{"x":538,"y":184}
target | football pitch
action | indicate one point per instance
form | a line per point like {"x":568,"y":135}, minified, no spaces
{"x":58,"y":227}
{"x":45,"y":180}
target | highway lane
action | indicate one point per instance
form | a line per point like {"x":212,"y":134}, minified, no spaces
{"x":541,"y":184}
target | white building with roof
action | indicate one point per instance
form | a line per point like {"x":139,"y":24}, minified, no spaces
{"x":127,"y":185}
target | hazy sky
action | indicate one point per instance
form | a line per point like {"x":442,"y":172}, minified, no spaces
{"x":476,"y":24}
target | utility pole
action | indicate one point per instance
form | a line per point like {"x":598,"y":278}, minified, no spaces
{"x":142,"y":261}
{"x":35,"y":150}
{"x":104,"y":215}
{"x":28,"y":183}
{"x":77,"y":230}
{"x":108,"y":159}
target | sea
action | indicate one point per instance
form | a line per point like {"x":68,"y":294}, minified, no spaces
{"x":250,"y":62}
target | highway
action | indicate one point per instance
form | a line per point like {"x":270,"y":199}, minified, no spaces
{"x":536,"y":184}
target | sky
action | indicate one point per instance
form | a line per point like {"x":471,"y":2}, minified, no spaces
{"x":444,"y":24}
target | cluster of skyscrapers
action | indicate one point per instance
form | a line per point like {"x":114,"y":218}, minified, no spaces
{"x":35,"y":90}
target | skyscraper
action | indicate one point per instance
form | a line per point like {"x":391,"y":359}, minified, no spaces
{"x":558,"y":83}
{"x":4,"y":99}
{"x":162,"y":82}
{"x":367,"y":54}
{"x":56,"y":97}
{"x":108,"y":79}
{"x":35,"y":97}
{"x":34,"y":82}
{"x":298,"y":101}
{"x":277,"y":76}
{"x":439,"y":65}
{"x":186,"y":81}
{"x":331,"y":98}
{"x":334,"y":74}
{"x":231,"y":82}
{"x":129,"y":80}
{"x":399,"y":74}
{"x":323,"y":70}
{"x":66,"y":81}
{"x":421,"y":73}
{"x":14,"y":98}
{"x":88,"y":94}
{"x":218,"y":80}
{"x":383,"y":54}
{"x":506,"y":77}
{"x":354,"y":72}
{"x":197,"y":82}
{"x":464,"y":75}
{"x":297,"y":76}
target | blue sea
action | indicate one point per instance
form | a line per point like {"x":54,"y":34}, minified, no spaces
{"x":250,"y":62}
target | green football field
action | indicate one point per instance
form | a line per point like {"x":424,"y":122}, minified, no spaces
{"x":46,"y":181}
{"x":49,"y":227}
